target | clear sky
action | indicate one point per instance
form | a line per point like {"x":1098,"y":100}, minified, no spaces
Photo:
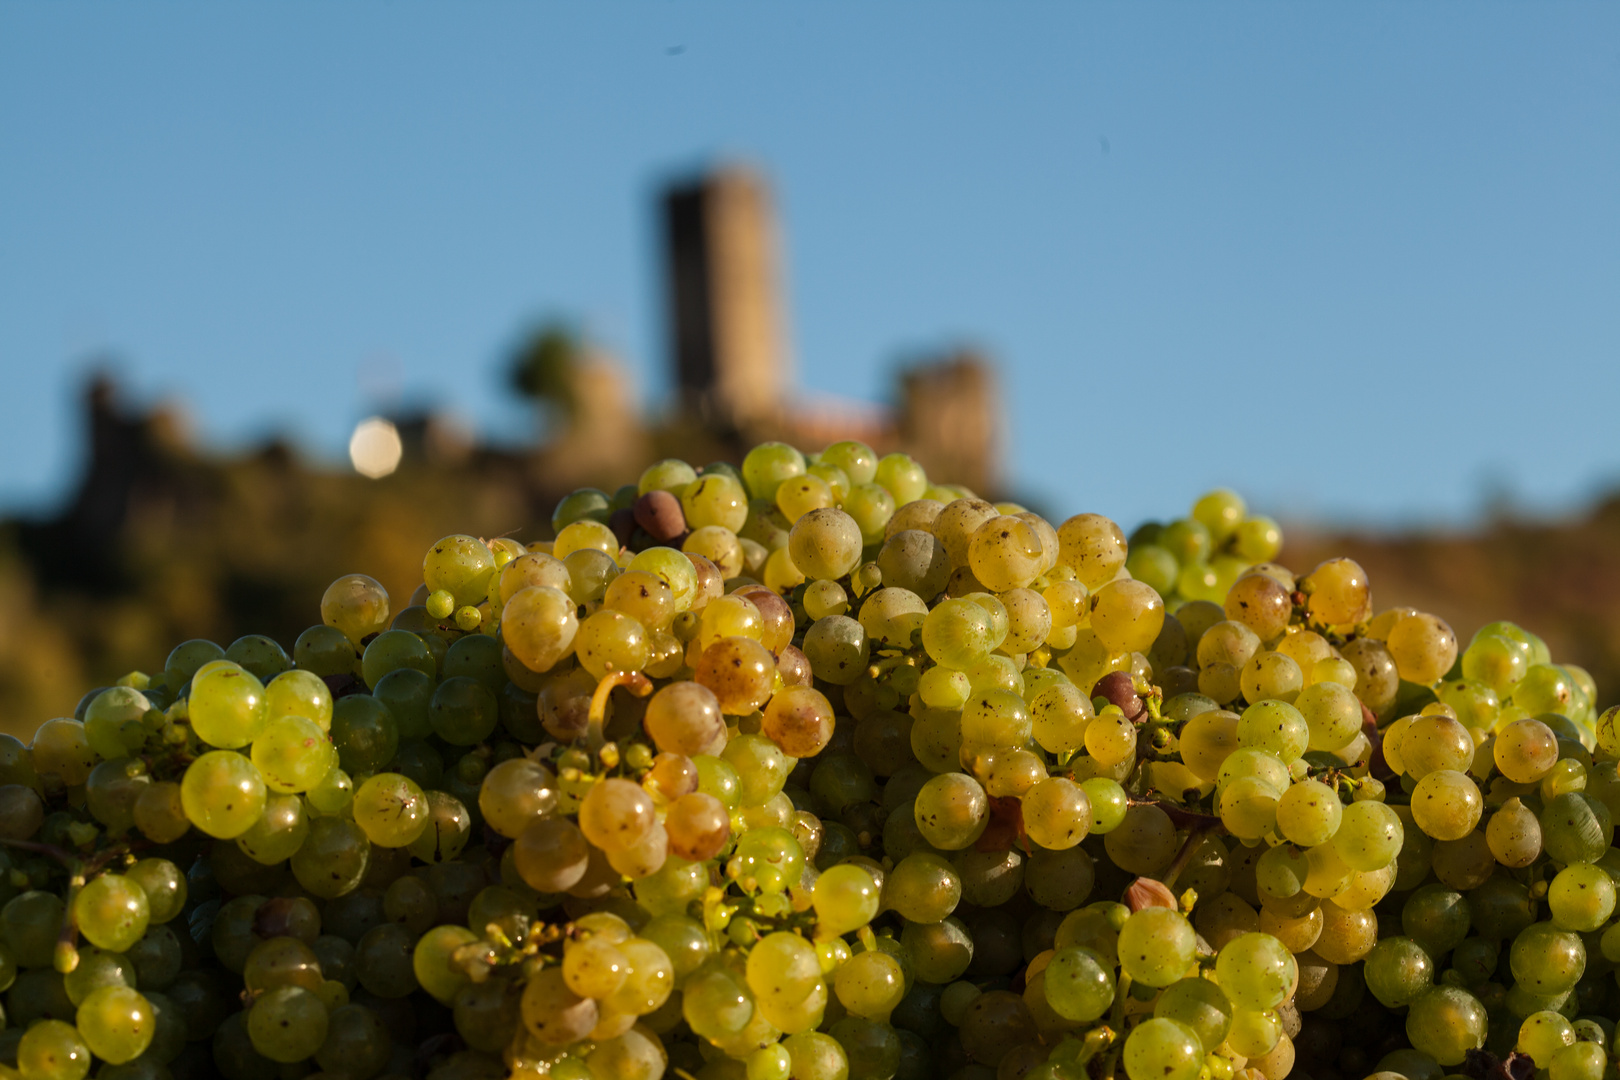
{"x":1360,"y":261}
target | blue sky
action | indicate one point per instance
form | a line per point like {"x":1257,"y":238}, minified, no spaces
{"x":1361,"y":262}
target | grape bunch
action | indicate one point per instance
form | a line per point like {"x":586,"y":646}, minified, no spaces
{"x":816,"y":769}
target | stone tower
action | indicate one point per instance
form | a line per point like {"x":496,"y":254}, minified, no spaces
{"x":725,"y":299}
{"x":951,"y":421}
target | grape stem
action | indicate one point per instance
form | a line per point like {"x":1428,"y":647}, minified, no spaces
{"x":1196,"y":825}
{"x":67,"y":858}
{"x":1180,"y":817}
{"x":634,"y":681}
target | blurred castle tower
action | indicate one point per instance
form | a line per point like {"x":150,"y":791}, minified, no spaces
{"x":725,"y":298}
{"x":950,"y":419}
{"x":732,"y":369}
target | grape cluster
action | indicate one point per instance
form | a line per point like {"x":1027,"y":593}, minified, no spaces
{"x":815,"y":769}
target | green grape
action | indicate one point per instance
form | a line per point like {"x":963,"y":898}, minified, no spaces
{"x":1254,"y":1033}
{"x":356,"y":605}
{"x":112,"y":911}
{"x":288,"y":1024}
{"x":1059,"y":716}
{"x":1156,"y":945}
{"x":616,"y":814}
{"x":227,"y":707}
{"x":1079,"y":984}
{"x":825,"y":543}
{"x":767,"y":465}
{"x":1108,"y":803}
{"x":157,"y":958}
{"x":1161,"y":1049}
{"x":718,"y":779}
{"x":97,"y":968}
{"x":871,"y":1049}
{"x":1581,"y":897}
{"x":715,"y":499}
{"x":432,"y":961}
{"x":1447,"y":805}
{"x":391,"y":809}
{"x":223,"y":794}
{"x":584,"y":504}
{"x":292,"y":754}
{"x":902,"y":477}
{"x":923,"y":888}
{"x":845,"y":898}
{"x":299,"y":693}
{"x":1127,"y":615}
{"x":325,"y":651}
{"x":938,"y":952}
{"x":1144,"y":842}
{"x":1248,"y":807}
{"x":716,"y":1002}
{"x":357,"y":1042}
{"x":1110,"y":738}
{"x":1369,"y":836}
{"x":891,"y":616}
{"x":770,"y":857}
{"x":462,"y":566}
{"x":741,"y":673}
{"x":1546,"y":960}
{"x":1258,"y":539}
{"x":952,"y":811}
{"x":62,"y":749}
{"x":539,"y":624}
{"x":281,"y":961}
{"x":1198,"y":1003}
{"x":838,"y":648}
{"x":110,"y":794}
{"x":1153,"y":566}
{"x":364,"y":733}
{"x":383,"y":961}
{"x":995,"y":672}
{"x":1259,"y":764}
{"x":1575,"y":828}
{"x":770,"y":1063}
{"x":186,"y":658}
{"x":1397,"y":970}
{"x":1332,"y":715}
{"x":1309,"y":813}
{"x":396,"y":650}
{"x":761,"y":767}
{"x":114,"y":724}
{"x":333,"y":858}
{"x":1256,"y":971}
{"x":635,"y":1055}
{"x":333,"y":794}
{"x":870,"y":507}
{"x":996,"y":718}
{"x":259,"y":655}
{"x":1207,"y":739}
{"x":671,"y":475}
{"x":1583,"y":1061}
{"x":816,"y":1056}
{"x":448,"y":829}
{"x":857,"y":460}
{"x":53,"y":1050}
{"x":1056,"y":813}
{"x":117,"y":1023}
{"x":1544,"y":1034}
{"x":1445,"y":1023}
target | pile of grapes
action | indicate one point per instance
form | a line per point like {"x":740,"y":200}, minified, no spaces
{"x":812,"y":770}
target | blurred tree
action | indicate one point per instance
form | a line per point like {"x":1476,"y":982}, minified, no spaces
{"x":544,"y":369}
